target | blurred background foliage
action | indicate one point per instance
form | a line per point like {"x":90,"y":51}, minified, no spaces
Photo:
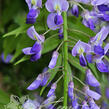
{"x":16,"y":76}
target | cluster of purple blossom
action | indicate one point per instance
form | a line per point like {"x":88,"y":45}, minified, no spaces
{"x":92,"y":52}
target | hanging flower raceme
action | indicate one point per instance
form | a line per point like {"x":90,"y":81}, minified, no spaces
{"x":36,"y":50}
{"x":85,"y":105}
{"x":79,"y":49}
{"x":56,"y":7}
{"x":70,"y":90}
{"x":92,"y":104}
{"x":52,"y":90}
{"x":91,"y":80}
{"x":92,"y":93}
{"x":34,"y":10}
{"x":75,"y":10}
{"x":53,"y":60}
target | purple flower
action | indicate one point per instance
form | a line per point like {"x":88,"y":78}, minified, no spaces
{"x":70,"y":90}
{"x":90,"y":79}
{"x":52,"y":90}
{"x":75,"y":104}
{"x":75,"y":10}
{"x":91,"y":93}
{"x":103,"y":8}
{"x":45,"y":78}
{"x":99,"y":2}
{"x":79,"y":49}
{"x":98,"y":50}
{"x":61,"y":33}
{"x":89,"y":19}
{"x":31,"y":32}
{"x":104,"y":105}
{"x":107,"y":93}
{"x":57,"y":5}
{"x":30,"y":104}
{"x":53,"y":60}
{"x":34,"y":11}
{"x":85,"y":105}
{"x":92,"y":104}
{"x":34,"y":51}
{"x":100,"y":36}
{"x":8,"y":58}
{"x":36,"y":83}
{"x":48,"y":101}
{"x":102,"y":65}
{"x":51,"y":21}
{"x":84,"y":1}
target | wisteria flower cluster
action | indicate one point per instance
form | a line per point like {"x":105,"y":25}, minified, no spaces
{"x":94,"y":51}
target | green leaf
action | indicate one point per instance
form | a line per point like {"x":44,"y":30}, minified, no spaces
{"x":17,"y":31}
{"x":23,"y":42}
{"x":4,"y":98}
{"x":78,"y":30}
{"x":50,"y":44}
{"x":53,"y":72}
{"x":9,"y":45}
{"x":75,"y":62}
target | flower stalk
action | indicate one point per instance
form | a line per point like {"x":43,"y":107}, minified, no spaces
{"x":65,"y":58}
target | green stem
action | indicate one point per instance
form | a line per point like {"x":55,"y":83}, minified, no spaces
{"x":65,"y":58}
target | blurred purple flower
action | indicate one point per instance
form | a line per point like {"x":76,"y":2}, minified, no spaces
{"x":92,"y":104}
{"x":85,"y":105}
{"x":107,"y":93}
{"x":84,"y":1}
{"x":30,"y":104}
{"x":70,"y":90}
{"x":47,"y":102}
{"x":52,"y":90}
{"x":36,"y":83}
{"x":99,"y":2}
{"x":46,"y":76}
{"x":34,"y":51}
{"x":91,"y":80}
{"x":8,"y":58}
{"x":75,"y":10}
{"x":79,"y":49}
{"x":75,"y":104}
{"x":91,"y":93}
{"x":34,"y":11}
{"x":53,"y":60}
